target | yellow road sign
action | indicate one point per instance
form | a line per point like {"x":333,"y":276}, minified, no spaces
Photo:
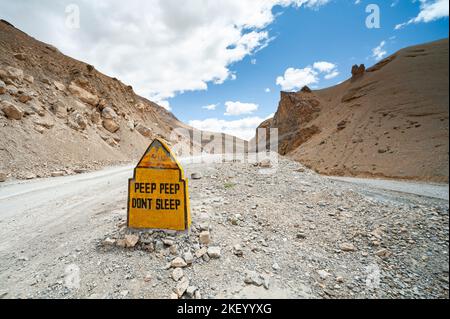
{"x":158,"y":196}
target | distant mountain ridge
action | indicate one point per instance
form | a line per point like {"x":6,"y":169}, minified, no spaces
{"x":390,"y":120}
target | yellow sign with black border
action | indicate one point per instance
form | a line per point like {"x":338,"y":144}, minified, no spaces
{"x":158,"y":196}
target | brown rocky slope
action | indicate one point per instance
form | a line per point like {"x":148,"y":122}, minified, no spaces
{"x":60,"y":116}
{"x":390,"y":120}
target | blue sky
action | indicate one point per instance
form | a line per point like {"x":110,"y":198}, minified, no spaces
{"x":232,"y":56}
{"x":335,"y":33}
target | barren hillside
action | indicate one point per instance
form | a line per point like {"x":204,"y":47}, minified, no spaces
{"x":390,"y":120}
{"x":59,"y":115}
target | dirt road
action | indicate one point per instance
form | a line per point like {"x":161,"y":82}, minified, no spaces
{"x":290,"y":226}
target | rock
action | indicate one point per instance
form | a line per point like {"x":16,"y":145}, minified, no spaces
{"x":204,"y":237}
{"x":77,"y":121}
{"x":177,"y":274}
{"x":110,"y":125}
{"x":178,"y":263}
{"x":197,"y":295}
{"x":3,"y":177}
{"x":96,"y":117}
{"x":181,"y":287}
{"x":188,"y":258}
{"x":108,"y":113}
{"x":323,"y":274}
{"x":342,"y":125}
{"x":265,"y":164}
{"x":130,"y":125}
{"x":358,"y":71}
{"x":276,"y":267}
{"x":301,"y":235}
{"x":47,"y":123}
{"x":11,"y":110}
{"x":190,"y":291}
{"x":148,"y":278}
{"x":214,"y":252}
{"x":57,"y":174}
{"x":306,"y":89}
{"x":173,"y":295}
{"x":14,"y":74}
{"x":59,"y":86}
{"x":196,"y":176}
{"x":131,"y":240}
{"x":143,"y":130}
{"x":59,"y":109}
{"x":29,"y":176}
{"x":2,"y":87}
{"x":29,"y":79}
{"x":20,"y":56}
{"x":36,"y":109}
{"x":383,"y":253}
{"x":347,"y":247}
{"x":253,"y":278}
{"x":24,"y":97}
{"x":237,"y":250}
{"x":202,"y":251}
{"x":83,"y":95}
{"x":109,"y":242}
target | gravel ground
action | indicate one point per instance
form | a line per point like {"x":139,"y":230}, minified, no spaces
{"x":290,"y":234}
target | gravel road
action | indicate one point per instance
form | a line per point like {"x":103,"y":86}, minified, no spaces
{"x":291,"y":234}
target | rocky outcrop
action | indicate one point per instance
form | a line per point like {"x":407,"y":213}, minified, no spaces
{"x":83,"y":95}
{"x":358,"y":71}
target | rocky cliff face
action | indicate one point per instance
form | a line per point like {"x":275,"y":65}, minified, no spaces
{"x":60,"y":114}
{"x":390,"y":120}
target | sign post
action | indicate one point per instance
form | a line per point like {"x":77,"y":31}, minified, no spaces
{"x":158,"y":196}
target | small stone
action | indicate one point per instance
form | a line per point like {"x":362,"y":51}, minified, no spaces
{"x":205,"y":238}
{"x":197,"y":295}
{"x":131,"y":240}
{"x":196,"y":176}
{"x":178,"y":263}
{"x":3,"y":177}
{"x":347,"y":247}
{"x":202,"y":251}
{"x":177,"y":274}
{"x":109,"y":242}
{"x":214,"y":252}
{"x":253,"y":278}
{"x":188,"y":258}
{"x":339,"y":279}
{"x":181,"y":287}
{"x":190,"y":291}
{"x":323,"y":274}
{"x":275,"y":266}
{"x":173,"y":295}
{"x":148,"y":278}
{"x":57,"y":174}
{"x":237,"y":250}
{"x":383,"y":253}
{"x":301,"y":235}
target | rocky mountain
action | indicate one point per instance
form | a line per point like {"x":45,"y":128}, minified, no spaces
{"x":390,"y":120}
{"x":59,"y":115}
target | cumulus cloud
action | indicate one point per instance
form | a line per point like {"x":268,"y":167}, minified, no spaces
{"x":295,"y":79}
{"x":160,"y":47}
{"x":324,"y":66}
{"x":244,"y":128}
{"x":429,"y":11}
{"x":210,"y":107}
{"x":267,"y":90}
{"x":379,"y":52}
{"x":239,"y":108}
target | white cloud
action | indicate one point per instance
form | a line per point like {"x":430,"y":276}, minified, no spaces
{"x":379,"y":52}
{"x":210,"y":107}
{"x":430,"y":10}
{"x":324,"y":66}
{"x":239,"y":108}
{"x":267,"y":90}
{"x":253,"y":61}
{"x":244,"y":128}
{"x":294,"y":79}
{"x":160,"y":47}
{"x":331,"y":75}
{"x":357,"y":1}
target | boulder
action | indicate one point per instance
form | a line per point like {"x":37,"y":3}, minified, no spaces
{"x":11,"y":110}
{"x":108,"y":113}
{"x":13,"y":74}
{"x":3,"y":177}
{"x":143,"y":130}
{"x":59,"y":86}
{"x":83,"y":95}
{"x":77,"y":121}
{"x":111,"y":125}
